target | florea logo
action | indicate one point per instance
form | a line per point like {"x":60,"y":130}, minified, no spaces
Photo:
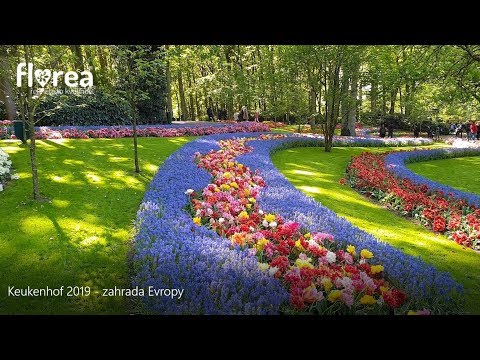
{"x":43,"y":77}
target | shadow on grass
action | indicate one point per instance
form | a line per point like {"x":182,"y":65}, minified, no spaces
{"x":80,"y":237}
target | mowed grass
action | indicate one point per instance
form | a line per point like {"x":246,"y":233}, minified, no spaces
{"x":80,"y":235}
{"x":316,"y":173}
{"x":461,"y":173}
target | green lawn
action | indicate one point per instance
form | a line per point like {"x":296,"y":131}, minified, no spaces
{"x":317,"y":173}
{"x":81,"y":235}
{"x":461,"y":173}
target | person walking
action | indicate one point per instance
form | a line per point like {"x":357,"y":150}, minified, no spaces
{"x":210,"y":114}
{"x":478,"y":132}
{"x":244,"y":113}
{"x":416,"y":131}
{"x":390,"y":130}
{"x":257,"y":115}
{"x":382,"y":132}
{"x":473,"y":131}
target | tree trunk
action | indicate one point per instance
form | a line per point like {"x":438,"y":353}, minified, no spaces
{"x":344,"y":98}
{"x":407,"y":101}
{"x":135,"y":140}
{"x":230,"y":107}
{"x":33,"y":157}
{"x":400,"y":94}
{"x":169,"y":90}
{"x":393,"y":97}
{"x":31,"y":124}
{"x":197,"y":104}
{"x":178,"y":105}
{"x":312,"y":97}
{"x":6,"y":91}
{"x":352,"y":110}
{"x":373,"y":96}
{"x":90,"y":61}
{"x":78,"y":56}
{"x":181,"y":93}
{"x":104,"y":70}
{"x":359,"y":106}
{"x":192,"y":102}
{"x":384,"y":101}
{"x":332,"y":105}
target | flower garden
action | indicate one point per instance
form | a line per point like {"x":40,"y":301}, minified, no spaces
{"x":220,"y":221}
{"x":243,"y":240}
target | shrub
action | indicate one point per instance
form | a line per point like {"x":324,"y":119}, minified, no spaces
{"x":82,"y":110}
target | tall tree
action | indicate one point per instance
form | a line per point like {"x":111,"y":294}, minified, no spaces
{"x":139,"y":64}
{"x":169,"y":87}
{"x":30,"y":97}
{"x":77,"y":56}
{"x":6,"y":92}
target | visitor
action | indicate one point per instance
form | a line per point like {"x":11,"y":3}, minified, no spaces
{"x":390,"y":130}
{"x":244,"y":113}
{"x":240,"y":115}
{"x":416,"y":131}
{"x":382,"y":131}
{"x":478,"y":132}
{"x":473,"y":131}
{"x":429,"y":132}
{"x":210,"y":114}
{"x":458,"y":131}
{"x":219,"y":114}
{"x":236,"y":116}
{"x":437,"y":132}
{"x":466,"y":129}
{"x":453,"y":129}
{"x":257,"y":114}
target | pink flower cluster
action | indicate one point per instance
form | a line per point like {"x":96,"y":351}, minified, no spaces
{"x":113,"y":132}
{"x":320,"y":276}
{"x":4,"y":124}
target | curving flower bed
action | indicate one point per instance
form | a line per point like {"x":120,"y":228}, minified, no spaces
{"x":151,"y":131}
{"x":321,"y":276}
{"x":396,"y":163}
{"x":440,"y":208}
{"x":172,"y":251}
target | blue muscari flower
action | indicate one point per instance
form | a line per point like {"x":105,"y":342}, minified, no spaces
{"x":170,"y":251}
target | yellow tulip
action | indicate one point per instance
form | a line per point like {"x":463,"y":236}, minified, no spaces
{"x":334,"y":295}
{"x":366,"y":254}
{"x":367,"y":300}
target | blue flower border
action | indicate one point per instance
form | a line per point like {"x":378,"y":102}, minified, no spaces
{"x":172,"y":252}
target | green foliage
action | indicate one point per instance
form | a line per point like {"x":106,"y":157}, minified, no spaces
{"x":91,"y":109}
{"x":142,"y":80}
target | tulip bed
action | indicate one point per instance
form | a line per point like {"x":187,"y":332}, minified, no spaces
{"x":240,"y":239}
{"x":440,"y":208}
{"x":151,"y":131}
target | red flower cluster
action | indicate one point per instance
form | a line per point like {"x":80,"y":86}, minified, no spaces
{"x":441,"y":213}
{"x":320,"y":276}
